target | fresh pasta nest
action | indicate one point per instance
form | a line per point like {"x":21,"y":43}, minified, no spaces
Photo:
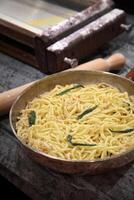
{"x":79,"y":122}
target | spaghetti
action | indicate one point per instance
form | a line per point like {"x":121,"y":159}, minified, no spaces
{"x":77,"y":122}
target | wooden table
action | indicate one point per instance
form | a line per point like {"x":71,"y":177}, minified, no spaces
{"x":40,"y":183}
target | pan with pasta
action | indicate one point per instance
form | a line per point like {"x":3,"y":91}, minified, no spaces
{"x":77,"y":122}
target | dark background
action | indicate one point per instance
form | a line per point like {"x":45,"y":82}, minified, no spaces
{"x":7,"y":190}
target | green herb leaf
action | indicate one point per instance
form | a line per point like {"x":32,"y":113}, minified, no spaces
{"x":32,"y":118}
{"x":69,"y":89}
{"x":69,"y":140}
{"x":86,"y":112}
{"x":123,"y":131}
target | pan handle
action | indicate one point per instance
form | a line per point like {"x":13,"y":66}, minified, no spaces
{"x":114,"y":62}
{"x":130,"y":74}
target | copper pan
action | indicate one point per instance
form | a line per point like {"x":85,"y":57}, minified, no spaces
{"x":69,"y":77}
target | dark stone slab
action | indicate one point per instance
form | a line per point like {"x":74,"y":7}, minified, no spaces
{"x":42,"y":183}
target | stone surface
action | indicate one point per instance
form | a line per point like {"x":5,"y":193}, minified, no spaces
{"x":41,"y":183}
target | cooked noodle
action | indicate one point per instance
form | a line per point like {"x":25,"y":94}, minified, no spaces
{"x":57,"y":118}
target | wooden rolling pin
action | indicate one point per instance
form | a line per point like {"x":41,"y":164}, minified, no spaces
{"x":114,"y":62}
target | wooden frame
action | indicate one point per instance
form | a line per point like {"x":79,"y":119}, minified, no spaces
{"x":31,"y":44}
{"x":85,"y":41}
